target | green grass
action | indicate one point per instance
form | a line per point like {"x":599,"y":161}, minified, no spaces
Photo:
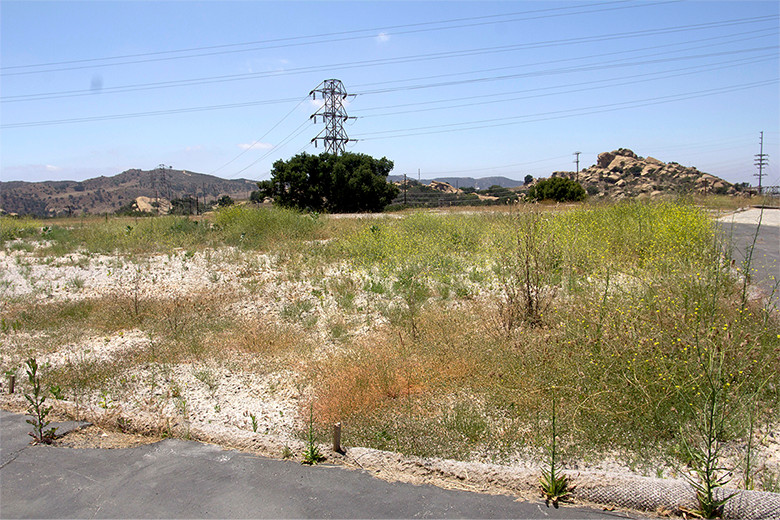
{"x":250,"y":228}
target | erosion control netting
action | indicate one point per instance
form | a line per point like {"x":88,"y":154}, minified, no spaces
{"x":649,"y":494}
{"x":623,"y":491}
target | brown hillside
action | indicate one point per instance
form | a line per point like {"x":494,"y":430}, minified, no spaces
{"x":109,"y":194}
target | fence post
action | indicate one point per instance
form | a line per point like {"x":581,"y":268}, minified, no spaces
{"x":337,"y":438}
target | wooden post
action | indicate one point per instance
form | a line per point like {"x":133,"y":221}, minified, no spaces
{"x":11,"y":383}
{"x":337,"y":438}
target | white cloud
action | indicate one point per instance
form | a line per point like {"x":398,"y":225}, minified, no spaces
{"x":255,"y":146}
{"x":193,"y":148}
{"x":50,"y":168}
{"x":382,"y":37}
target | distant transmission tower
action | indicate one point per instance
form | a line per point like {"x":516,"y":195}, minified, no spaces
{"x":761,"y":162}
{"x":333,"y":114}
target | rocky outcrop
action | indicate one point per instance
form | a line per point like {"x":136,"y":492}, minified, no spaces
{"x":443,"y":187}
{"x":152,"y":205}
{"x":621,"y":173}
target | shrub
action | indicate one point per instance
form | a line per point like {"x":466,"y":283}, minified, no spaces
{"x":558,"y":189}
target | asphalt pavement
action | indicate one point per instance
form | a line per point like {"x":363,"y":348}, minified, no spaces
{"x":741,"y":231}
{"x":186,"y":479}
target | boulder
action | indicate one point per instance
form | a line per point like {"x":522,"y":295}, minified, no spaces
{"x":443,"y":187}
{"x":625,"y":152}
{"x":147,"y":204}
{"x":623,"y":162}
{"x":605,"y":159}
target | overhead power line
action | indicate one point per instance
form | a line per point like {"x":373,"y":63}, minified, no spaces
{"x":722,"y":40}
{"x":146,"y":114}
{"x":546,"y":91}
{"x":585,"y":68}
{"x":292,"y":135}
{"x":408,"y":59}
{"x":559,"y":114}
{"x":565,"y":70}
{"x":259,"y":139}
{"x":295,"y":40}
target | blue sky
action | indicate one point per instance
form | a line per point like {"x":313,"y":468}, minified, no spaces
{"x":449,"y":88}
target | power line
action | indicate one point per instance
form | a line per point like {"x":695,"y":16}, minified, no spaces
{"x":772,"y":31}
{"x":415,"y":87}
{"x":470,"y":20}
{"x":146,"y":114}
{"x":560,"y":71}
{"x":251,"y":146}
{"x":605,"y":83}
{"x":559,"y":114}
{"x":402,"y":59}
{"x":292,"y":135}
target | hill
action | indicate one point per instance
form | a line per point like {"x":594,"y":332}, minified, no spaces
{"x":621,"y":173}
{"x":109,"y":194}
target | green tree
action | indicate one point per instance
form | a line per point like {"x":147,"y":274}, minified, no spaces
{"x":558,"y":189}
{"x":183,"y":206}
{"x":337,"y":184}
{"x":528,"y":179}
{"x":225,"y":201}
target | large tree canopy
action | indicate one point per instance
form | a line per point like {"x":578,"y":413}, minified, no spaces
{"x":347,"y":183}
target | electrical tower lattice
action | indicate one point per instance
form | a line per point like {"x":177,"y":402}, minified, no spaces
{"x":333,"y":114}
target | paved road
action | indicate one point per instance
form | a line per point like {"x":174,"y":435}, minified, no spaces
{"x":740,"y":229}
{"x":185,"y":479}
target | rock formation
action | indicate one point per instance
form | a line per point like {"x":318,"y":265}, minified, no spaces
{"x":622,"y":173}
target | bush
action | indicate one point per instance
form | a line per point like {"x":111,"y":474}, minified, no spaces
{"x":558,"y":189}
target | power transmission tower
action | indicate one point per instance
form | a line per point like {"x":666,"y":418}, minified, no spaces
{"x":163,"y":185}
{"x":761,"y":162}
{"x":333,"y":114}
{"x":577,"y":160}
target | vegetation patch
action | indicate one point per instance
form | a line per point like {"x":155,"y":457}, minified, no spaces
{"x":448,"y":335}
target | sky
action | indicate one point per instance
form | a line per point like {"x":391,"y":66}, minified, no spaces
{"x":444,"y":88}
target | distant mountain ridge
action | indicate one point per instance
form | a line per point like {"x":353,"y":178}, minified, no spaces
{"x":481,"y":183}
{"x":109,"y":194}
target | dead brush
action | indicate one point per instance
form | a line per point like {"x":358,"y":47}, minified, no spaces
{"x":527,"y":271}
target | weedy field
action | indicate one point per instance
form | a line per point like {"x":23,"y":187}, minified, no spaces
{"x":434,"y":334}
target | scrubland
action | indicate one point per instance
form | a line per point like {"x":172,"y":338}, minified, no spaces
{"x":426,"y":333}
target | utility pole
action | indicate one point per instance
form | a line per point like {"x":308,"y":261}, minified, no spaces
{"x":406,"y":185}
{"x":577,"y":160}
{"x":761,"y":162}
{"x":333,"y":114}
